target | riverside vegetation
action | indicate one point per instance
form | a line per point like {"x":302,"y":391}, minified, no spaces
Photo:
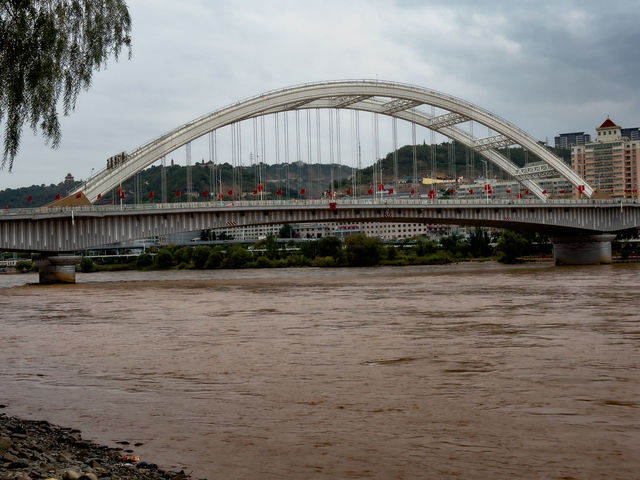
{"x":355,"y":251}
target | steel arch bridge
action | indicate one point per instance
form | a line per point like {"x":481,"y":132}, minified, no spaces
{"x":388,"y":98}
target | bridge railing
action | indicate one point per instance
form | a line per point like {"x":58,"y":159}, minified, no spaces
{"x":377,"y":202}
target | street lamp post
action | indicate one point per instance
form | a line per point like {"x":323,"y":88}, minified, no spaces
{"x":486,"y":179}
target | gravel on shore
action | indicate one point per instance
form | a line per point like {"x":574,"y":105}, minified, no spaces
{"x":31,"y":449}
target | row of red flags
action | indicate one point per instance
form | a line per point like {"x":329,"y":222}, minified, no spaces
{"x":303,"y":191}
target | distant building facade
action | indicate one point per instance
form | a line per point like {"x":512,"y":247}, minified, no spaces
{"x":631,"y":133}
{"x":314,"y":231}
{"x":567,"y":140}
{"x":610,"y":164}
{"x":69,"y":179}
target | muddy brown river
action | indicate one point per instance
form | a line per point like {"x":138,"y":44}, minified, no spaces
{"x":469,"y":371}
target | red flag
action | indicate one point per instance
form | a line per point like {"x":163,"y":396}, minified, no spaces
{"x":260,"y":187}
{"x":562,"y":191}
{"x":255,"y":192}
{"x":370,"y":191}
{"x":490,"y":192}
{"x":220,"y":196}
{"x":432,"y":193}
{"x":29,"y":199}
{"x":205,"y":193}
{"x":151,"y":195}
{"x":178,"y":193}
{"x":380,"y":187}
{"x":99,"y":196}
{"x":452,"y":191}
{"x":544,"y":192}
{"x":519,"y":195}
{"x":471,"y":191}
{"x":508,"y":191}
{"x":348,"y":191}
{"x":230,"y":192}
{"x":279,"y":192}
{"x":526,"y":192}
{"x":58,"y":196}
{"x":303,"y":191}
{"x":413,"y":192}
{"x":391,"y":191}
{"x":79,"y":195}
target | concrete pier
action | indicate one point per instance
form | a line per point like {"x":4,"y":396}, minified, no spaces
{"x":582,"y":250}
{"x":58,"y":269}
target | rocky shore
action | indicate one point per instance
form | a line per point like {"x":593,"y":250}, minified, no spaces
{"x":31,"y":450}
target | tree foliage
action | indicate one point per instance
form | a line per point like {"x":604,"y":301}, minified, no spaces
{"x":286,"y":231}
{"x":479,"y":243}
{"x":361,"y":251}
{"x":511,"y":247}
{"x":48,"y":52}
{"x":329,"y":247}
{"x":200,"y":256}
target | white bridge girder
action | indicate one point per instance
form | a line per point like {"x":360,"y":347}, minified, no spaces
{"x":539,"y":170}
{"x":353,"y":94}
{"x":497,"y":141}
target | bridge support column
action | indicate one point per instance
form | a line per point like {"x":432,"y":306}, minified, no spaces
{"x":60,"y":269}
{"x":582,"y":250}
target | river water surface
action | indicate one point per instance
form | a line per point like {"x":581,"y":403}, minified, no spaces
{"x":464,"y":371}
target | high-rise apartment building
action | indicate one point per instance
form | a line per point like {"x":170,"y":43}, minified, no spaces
{"x":567,"y":140}
{"x":610,"y":164}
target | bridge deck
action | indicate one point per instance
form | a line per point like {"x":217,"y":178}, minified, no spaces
{"x":65,"y":229}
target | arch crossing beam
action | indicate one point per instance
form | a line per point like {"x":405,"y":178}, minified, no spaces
{"x":353,"y":94}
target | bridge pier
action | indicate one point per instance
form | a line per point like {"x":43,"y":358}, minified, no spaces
{"x":58,"y":269}
{"x":582,"y":250}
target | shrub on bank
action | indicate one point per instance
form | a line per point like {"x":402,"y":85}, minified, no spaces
{"x":200,"y":256}
{"x":362,"y":251}
{"x":214,"y":260}
{"x":324,"y":262}
{"x":86,"y":265}
{"x":263,"y":262}
{"x":297,"y":261}
{"x":144,"y":260}
{"x":182,"y":255}
{"x":237,"y":257}
{"x":438,"y":258}
{"x":164,"y":259}
{"x":24,"y":266}
{"x":511,"y":247}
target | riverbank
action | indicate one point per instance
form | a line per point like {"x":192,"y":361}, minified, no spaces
{"x":31,"y":449}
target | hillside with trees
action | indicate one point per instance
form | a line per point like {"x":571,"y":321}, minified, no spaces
{"x":451,"y":160}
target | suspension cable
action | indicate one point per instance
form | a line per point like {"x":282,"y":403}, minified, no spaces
{"x":414,"y":185}
{"x":189,"y":173}
{"x":394,"y":134}
{"x":309,"y":163}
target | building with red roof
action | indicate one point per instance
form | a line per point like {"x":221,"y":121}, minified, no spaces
{"x":610,"y":164}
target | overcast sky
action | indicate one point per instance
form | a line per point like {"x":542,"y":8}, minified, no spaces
{"x":546,"y":66}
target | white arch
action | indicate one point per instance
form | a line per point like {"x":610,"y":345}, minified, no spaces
{"x":353,"y":94}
